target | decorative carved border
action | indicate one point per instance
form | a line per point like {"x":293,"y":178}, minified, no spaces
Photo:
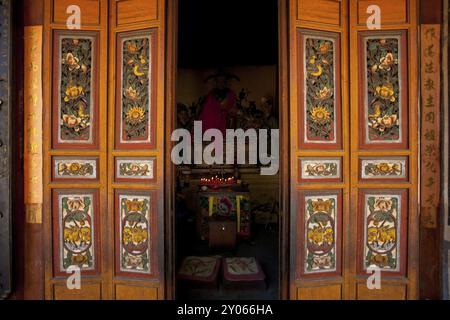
{"x":5,"y":153}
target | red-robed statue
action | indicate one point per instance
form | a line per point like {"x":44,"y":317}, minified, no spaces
{"x":219,"y":108}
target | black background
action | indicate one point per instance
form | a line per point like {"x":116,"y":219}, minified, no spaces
{"x":224,"y":33}
{"x":283,"y":310}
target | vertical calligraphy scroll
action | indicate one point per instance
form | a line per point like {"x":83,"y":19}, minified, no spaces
{"x":430,"y":133}
{"x":33,"y":124}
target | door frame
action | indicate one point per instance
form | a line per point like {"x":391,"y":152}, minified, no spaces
{"x":284,"y":165}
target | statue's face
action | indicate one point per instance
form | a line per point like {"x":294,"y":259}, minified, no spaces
{"x":221,"y":83}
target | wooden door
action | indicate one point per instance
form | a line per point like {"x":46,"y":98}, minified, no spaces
{"x":103,"y":152}
{"x":353,"y":149}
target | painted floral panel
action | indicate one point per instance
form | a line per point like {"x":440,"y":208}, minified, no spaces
{"x":135,"y":168}
{"x":381,"y":231}
{"x":136,"y":89}
{"x":383,"y":97}
{"x":321,"y":233}
{"x":320,"y":100}
{"x":75,"y":168}
{"x":135,"y":233}
{"x":316,"y":169}
{"x":75,"y":90}
{"x":383,"y":168}
{"x":77,"y":231}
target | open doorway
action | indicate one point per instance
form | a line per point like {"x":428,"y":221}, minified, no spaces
{"x":227,"y":215}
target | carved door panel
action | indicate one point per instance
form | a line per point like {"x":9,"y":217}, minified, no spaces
{"x":353,"y":150}
{"x":103,"y":146}
{"x":136,"y":145}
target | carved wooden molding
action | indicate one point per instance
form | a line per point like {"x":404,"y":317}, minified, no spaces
{"x":5,"y":152}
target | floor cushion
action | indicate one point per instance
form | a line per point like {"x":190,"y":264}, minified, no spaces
{"x":201,"y":270}
{"x":243,"y":273}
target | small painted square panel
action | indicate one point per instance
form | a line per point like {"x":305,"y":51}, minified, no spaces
{"x":77,"y":168}
{"x":135,"y":169}
{"x":389,"y":168}
{"x":320,"y":169}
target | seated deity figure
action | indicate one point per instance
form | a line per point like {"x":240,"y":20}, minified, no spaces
{"x":219,"y":108}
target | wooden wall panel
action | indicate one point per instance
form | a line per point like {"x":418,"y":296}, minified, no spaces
{"x":392,"y":12}
{"x":129,"y":12}
{"x":128,"y":292}
{"x":89,"y":292}
{"x":330,"y":292}
{"x":387,"y":292}
{"x":327,"y":12}
{"x":90,"y":11}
